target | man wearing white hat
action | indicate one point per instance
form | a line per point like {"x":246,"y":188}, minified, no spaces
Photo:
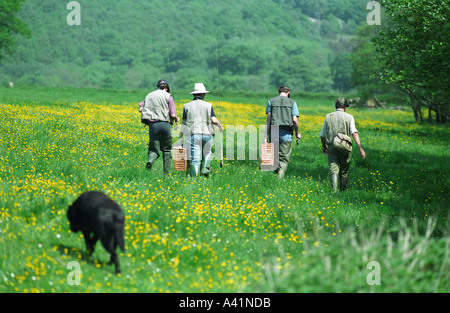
{"x":198,"y":118}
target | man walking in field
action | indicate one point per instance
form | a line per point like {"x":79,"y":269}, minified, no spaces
{"x":339,"y":122}
{"x":283,"y":112}
{"x":198,"y":120}
{"x":158,"y":112}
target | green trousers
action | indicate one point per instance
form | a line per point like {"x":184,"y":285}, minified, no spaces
{"x":284,"y":155}
{"x":339,"y":163}
{"x":165,"y":146}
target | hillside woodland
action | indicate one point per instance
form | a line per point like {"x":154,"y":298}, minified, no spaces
{"x":256,"y":44}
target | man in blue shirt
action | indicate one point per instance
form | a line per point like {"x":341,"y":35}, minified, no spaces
{"x":283,"y":112}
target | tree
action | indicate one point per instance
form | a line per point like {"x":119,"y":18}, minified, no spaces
{"x":9,"y":25}
{"x":300,"y":74}
{"x":158,"y":38}
{"x":311,"y":7}
{"x":365,"y":67}
{"x":238,"y":59}
{"x":415,"y":52}
{"x":341,"y":71}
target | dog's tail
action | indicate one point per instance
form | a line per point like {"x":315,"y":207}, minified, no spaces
{"x":119,"y":225}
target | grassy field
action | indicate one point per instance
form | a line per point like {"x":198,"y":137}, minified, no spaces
{"x":241,"y":230}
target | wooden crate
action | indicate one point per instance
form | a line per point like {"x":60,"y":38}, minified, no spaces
{"x":179,"y":159}
{"x":267,"y":156}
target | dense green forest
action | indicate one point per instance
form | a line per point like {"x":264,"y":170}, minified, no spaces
{"x":258,"y":44}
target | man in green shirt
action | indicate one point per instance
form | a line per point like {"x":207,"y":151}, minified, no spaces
{"x":283,"y":112}
{"x":338,"y":160}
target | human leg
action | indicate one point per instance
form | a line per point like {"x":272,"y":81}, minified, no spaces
{"x":153,"y":153}
{"x":160,"y":135}
{"x":195,"y":143}
{"x":345,"y":159}
{"x":166,"y":148}
{"x":284,"y":157}
{"x":333,"y":163}
{"x":207,"y":142}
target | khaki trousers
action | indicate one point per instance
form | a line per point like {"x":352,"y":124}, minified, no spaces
{"x":285,"y":155}
{"x":339,"y":162}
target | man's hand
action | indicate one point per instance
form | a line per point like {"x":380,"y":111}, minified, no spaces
{"x":363,"y":153}
{"x":358,"y":142}
{"x":175,"y":118}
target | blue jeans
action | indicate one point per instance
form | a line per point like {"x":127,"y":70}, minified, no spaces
{"x":200,"y":147}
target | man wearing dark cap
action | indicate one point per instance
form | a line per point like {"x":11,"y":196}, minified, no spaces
{"x":339,"y":160}
{"x":282,"y":111}
{"x":158,"y":112}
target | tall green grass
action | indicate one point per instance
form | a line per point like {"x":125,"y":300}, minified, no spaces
{"x":241,"y":230}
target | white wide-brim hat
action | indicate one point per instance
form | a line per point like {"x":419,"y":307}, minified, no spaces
{"x":199,"y":88}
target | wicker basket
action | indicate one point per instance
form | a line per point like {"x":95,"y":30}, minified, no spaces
{"x":179,"y":159}
{"x":267,"y":156}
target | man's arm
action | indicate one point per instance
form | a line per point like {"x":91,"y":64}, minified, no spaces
{"x":358,"y":142}
{"x":172,"y":110}
{"x":324,"y":145}
{"x":322,"y":137}
{"x":295,"y":120}
{"x":295,"y":115}
{"x":183,"y":123}
{"x":268,"y":122}
{"x":215,"y":121}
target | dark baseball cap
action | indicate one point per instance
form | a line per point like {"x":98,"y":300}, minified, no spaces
{"x":163,"y":84}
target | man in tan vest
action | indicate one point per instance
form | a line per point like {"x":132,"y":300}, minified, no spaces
{"x":338,"y":160}
{"x":198,"y":120}
{"x":158,"y":111}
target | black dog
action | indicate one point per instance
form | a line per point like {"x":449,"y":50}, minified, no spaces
{"x":93,"y":212}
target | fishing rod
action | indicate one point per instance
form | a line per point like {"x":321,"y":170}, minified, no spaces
{"x":179,"y":153}
{"x":218,"y":89}
{"x":171,"y":79}
{"x":170,"y":72}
